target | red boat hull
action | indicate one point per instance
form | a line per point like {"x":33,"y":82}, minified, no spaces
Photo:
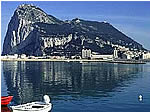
{"x":5,"y":100}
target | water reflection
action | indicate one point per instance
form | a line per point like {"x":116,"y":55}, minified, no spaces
{"x":29,"y":81}
{"x":5,"y":109}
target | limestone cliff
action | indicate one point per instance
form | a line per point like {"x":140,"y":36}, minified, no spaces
{"x":22,"y":34}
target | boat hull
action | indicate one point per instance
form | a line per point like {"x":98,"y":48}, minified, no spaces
{"x":5,"y":100}
{"x":29,"y":108}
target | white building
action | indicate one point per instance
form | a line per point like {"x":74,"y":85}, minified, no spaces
{"x":129,"y":55}
{"x":23,"y":56}
{"x":115,"y":55}
{"x":15,"y":56}
{"x":4,"y":57}
{"x":146,"y":55}
{"x":98,"y":56}
{"x":86,"y":53}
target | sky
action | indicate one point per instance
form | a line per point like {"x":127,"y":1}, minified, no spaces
{"x":131,"y":18}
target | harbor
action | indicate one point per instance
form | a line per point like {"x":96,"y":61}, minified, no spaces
{"x":82,"y":60}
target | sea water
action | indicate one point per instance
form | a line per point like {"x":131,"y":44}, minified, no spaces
{"x":79,"y":87}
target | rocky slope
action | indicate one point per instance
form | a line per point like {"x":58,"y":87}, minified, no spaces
{"x":33,"y":32}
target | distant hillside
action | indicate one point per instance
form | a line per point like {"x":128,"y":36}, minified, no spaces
{"x":33,"y":32}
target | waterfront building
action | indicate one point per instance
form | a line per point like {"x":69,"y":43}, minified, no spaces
{"x":99,"y":56}
{"x":146,"y":55}
{"x":15,"y":56}
{"x":23,"y":56}
{"x":128,"y":55}
{"x":115,"y":55}
{"x":86,"y":53}
{"x":4,"y":57}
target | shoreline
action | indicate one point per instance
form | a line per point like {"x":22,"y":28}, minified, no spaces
{"x":59,"y":60}
{"x":77,"y":60}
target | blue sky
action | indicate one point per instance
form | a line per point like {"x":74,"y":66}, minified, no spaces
{"x":132,"y":18}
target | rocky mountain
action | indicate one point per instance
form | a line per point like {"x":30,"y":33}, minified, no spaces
{"x":33,"y":32}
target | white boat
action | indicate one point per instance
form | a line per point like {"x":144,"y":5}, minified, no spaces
{"x":45,"y":106}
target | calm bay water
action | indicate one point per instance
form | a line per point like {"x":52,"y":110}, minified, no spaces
{"x":79,"y":87}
